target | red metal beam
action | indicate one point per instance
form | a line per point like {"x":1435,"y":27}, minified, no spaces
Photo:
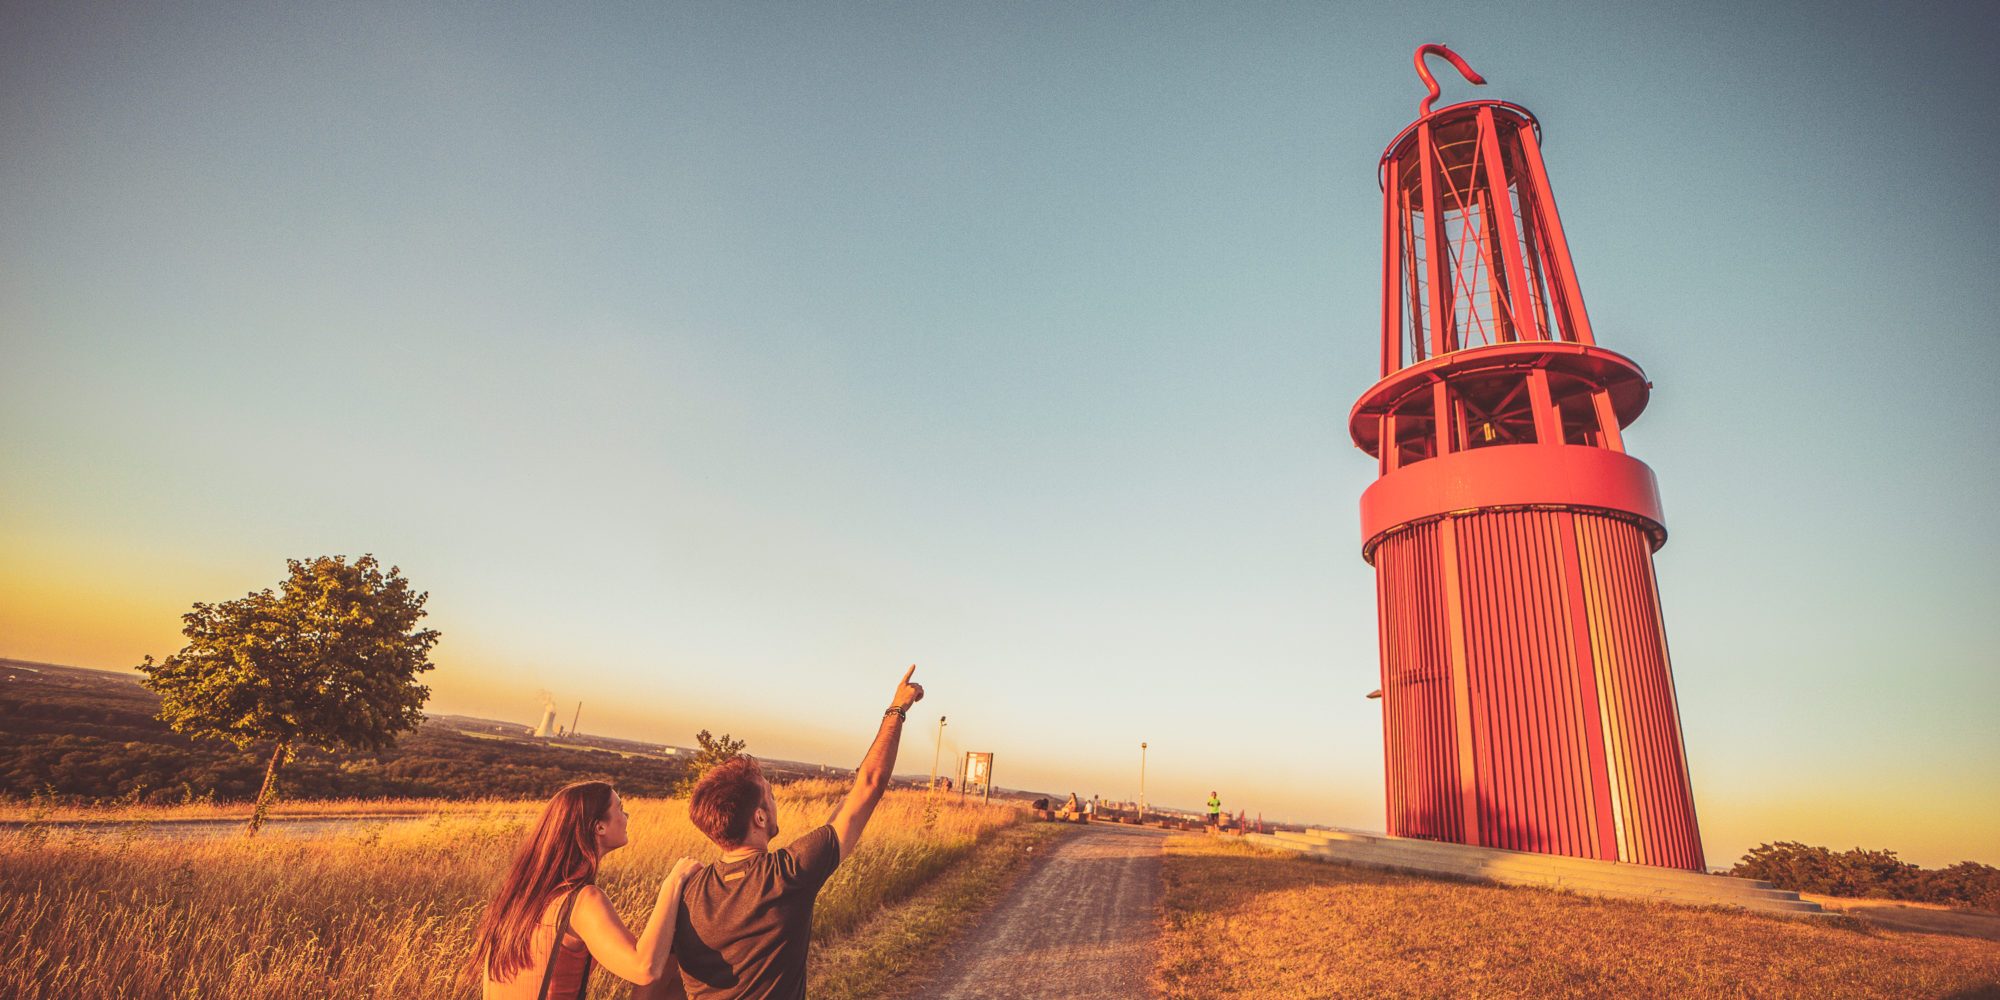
{"x":1392,"y":277}
{"x":1502,"y":210}
{"x":1436,"y":249}
{"x":1569,"y":294}
{"x":1461,"y":686}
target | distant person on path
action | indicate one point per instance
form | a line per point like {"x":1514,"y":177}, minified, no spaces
{"x":746,"y":920}
{"x":1214,"y":811}
{"x":550,"y":922}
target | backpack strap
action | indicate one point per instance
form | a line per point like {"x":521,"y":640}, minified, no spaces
{"x":555,"y":951}
{"x":583,"y":981}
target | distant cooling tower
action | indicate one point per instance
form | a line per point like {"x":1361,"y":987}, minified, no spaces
{"x":548,"y":726}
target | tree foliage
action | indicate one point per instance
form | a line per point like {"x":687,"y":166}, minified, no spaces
{"x":714,"y":750}
{"x":1864,"y":874}
{"x":329,"y":660}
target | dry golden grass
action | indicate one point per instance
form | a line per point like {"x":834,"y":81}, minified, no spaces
{"x":386,"y":910}
{"x":18,"y":811}
{"x":1250,"y":924}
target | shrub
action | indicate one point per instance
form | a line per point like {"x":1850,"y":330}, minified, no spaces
{"x":1868,"y":874}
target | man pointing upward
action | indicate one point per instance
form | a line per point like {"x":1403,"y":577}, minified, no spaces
{"x":746,"y":921}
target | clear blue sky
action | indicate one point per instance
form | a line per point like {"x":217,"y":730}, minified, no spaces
{"x":708,"y":363}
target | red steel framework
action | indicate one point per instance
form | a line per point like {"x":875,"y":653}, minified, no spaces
{"x":1527,"y":698}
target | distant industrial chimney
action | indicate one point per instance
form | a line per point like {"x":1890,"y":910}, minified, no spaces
{"x":548,"y":726}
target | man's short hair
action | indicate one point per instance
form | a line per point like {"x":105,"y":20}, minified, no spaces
{"x":725,"y":800}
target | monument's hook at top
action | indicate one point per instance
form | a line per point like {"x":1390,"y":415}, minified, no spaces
{"x":1424,"y":71}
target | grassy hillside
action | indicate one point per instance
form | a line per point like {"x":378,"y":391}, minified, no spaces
{"x":1245,"y":923}
{"x":90,"y":735}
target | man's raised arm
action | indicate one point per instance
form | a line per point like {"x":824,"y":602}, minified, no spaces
{"x":872,"y":778}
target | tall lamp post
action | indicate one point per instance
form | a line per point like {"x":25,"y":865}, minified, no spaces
{"x":935,"y":752}
{"x":1142,"y":782}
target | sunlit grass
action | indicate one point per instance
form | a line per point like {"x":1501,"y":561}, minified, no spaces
{"x":21,"y":811}
{"x":380,"y":910}
{"x":1245,"y":923}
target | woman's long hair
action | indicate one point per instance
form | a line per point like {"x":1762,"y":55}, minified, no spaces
{"x":560,"y":852}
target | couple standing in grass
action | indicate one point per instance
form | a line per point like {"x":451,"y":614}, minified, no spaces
{"x":736,"y":929}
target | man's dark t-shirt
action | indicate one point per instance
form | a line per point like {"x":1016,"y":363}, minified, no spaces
{"x":744,"y":925}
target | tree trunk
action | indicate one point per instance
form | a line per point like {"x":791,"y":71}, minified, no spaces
{"x":279,"y":754}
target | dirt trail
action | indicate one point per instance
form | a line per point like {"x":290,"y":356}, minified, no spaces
{"x":1081,"y":927}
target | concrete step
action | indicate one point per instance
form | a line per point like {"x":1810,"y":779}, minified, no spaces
{"x":1312,"y":839}
{"x":1719,"y":891}
{"x":1332,"y":834}
{"x":1525,"y":865}
{"x":1581,"y":875}
{"x":1526,"y":860}
{"x":1537,"y":867}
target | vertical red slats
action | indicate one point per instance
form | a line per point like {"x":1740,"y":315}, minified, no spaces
{"x":1540,"y":721}
{"x":1491,"y":736}
{"x":1516,"y":799}
{"x":1466,"y":773}
{"x":1514,"y":670}
{"x":1529,"y":753}
{"x":1659,"y":623}
{"x":1513,"y":535}
{"x":1658,"y":810}
{"x":1583,"y":804}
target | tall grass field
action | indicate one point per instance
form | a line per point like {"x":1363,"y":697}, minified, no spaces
{"x":382,"y":910}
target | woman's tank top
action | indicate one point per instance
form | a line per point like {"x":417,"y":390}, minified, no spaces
{"x":560,"y":972}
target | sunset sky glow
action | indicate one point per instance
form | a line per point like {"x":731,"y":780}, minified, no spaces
{"x":709,"y":364}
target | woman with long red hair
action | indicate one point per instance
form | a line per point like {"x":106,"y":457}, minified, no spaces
{"x":550,"y":922}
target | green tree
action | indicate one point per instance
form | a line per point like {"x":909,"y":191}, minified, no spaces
{"x":714,"y":750}
{"x":329,"y":660}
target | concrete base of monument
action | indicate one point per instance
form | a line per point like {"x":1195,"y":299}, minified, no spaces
{"x":1549,"y":871}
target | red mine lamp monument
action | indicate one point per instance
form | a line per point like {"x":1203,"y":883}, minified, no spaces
{"x":1527,"y":699}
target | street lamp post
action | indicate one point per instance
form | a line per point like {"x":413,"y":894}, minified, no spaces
{"x":1142,"y":782}
{"x":935,"y":752}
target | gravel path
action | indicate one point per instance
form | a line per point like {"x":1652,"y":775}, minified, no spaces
{"x":1081,"y":927}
